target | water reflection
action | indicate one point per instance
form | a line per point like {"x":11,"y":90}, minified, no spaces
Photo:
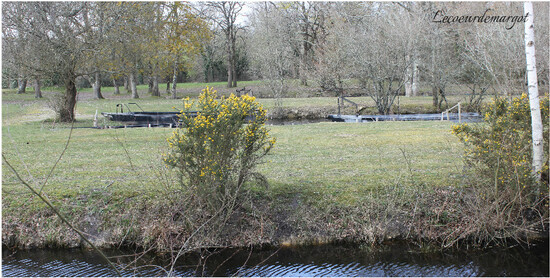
{"x":329,"y":260}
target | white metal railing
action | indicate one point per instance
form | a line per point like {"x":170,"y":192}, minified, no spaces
{"x":446,"y":112}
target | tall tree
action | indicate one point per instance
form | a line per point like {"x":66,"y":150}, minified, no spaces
{"x":94,"y":17}
{"x":331,"y":64}
{"x":56,"y":42}
{"x":536,"y":120}
{"x":154,"y":39}
{"x":129,"y":41}
{"x":13,"y":64}
{"x":225,"y":17}
{"x":310,"y":20}
{"x":185,"y":31}
{"x":271,"y":49}
{"x":495,"y":49}
{"x":383,"y":77}
{"x":414,"y":22}
{"x":212,"y":57}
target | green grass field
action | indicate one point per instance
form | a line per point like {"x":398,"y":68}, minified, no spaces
{"x":324,"y":162}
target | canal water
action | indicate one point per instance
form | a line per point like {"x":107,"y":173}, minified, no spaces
{"x":319,"y":261}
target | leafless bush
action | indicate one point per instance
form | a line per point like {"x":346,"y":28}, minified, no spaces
{"x":486,"y":218}
{"x":56,"y":102}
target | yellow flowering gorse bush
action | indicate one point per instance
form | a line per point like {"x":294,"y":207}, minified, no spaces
{"x":503,"y":143}
{"x":217,"y":149}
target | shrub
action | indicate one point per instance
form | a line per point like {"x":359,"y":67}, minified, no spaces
{"x":503,"y":200}
{"x":56,"y":102}
{"x":501,"y":147}
{"x":217,"y":150}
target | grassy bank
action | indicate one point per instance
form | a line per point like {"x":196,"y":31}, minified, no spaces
{"x":327,"y":181}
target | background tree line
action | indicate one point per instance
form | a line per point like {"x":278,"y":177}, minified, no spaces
{"x":332,"y":48}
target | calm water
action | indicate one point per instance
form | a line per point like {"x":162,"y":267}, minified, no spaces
{"x":329,"y":260}
{"x":295,"y":122}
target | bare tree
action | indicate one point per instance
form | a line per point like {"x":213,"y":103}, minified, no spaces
{"x":50,"y":39}
{"x":495,"y":49}
{"x":377,"y":35}
{"x":477,"y":80}
{"x":331,"y":61}
{"x":414,"y":22}
{"x":55,"y":42}
{"x":212,"y":57}
{"x":310,"y":20}
{"x":271,"y":49}
{"x":94,"y":21}
{"x":225,"y":17}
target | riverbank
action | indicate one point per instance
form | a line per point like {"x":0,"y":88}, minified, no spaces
{"x":289,"y":221}
{"x":326,"y":182}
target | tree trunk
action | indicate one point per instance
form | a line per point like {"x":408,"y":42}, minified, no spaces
{"x":133,"y":85}
{"x":155,"y":90}
{"x":435,"y":97}
{"x":168,"y":86}
{"x":234,"y":63}
{"x":412,"y":72}
{"x":22,"y":86}
{"x":307,"y":41}
{"x":174,"y":81}
{"x":229,"y":66}
{"x":536,"y":120}
{"x":150,"y":85}
{"x":435,"y":90}
{"x":234,"y":76}
{"x":408,"y":83}
{"x":97,"y":86}
{"x":231,"y":73}
{"x":115,"y":85}
{"x":408,"y":89}
{"x":37,"y":91}
{"x":415,"y":78}
{"x":66,"y":113}
{"x":127,"y":84}
{"x":303,"y":67}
